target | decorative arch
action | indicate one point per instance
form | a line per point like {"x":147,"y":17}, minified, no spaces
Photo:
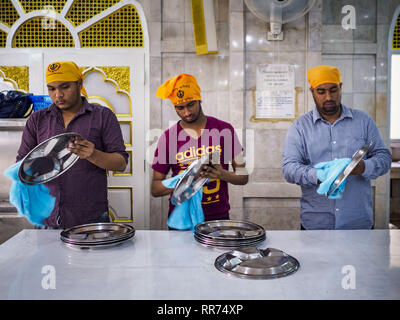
{"x":70,"y":24}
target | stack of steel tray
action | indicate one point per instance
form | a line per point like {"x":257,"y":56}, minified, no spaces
{"x":97,"y":235}
{"x":229,"y":233}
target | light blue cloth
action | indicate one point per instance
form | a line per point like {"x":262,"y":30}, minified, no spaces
{"x":34,"y":202}
{"x":189,"y":213}
{"x":327,"y":173}
{"x":311,"y":140}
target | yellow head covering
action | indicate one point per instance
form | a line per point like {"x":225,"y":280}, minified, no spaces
{"x":64,"y":71}
{"x":323,"y":74}
{"x":181,"y":88}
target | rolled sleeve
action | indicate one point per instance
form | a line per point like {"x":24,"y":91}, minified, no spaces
{"x":294,"y":167}
{"x":378,"y":158}
{"x":113,"y":141}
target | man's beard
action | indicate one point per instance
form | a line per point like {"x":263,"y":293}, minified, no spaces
{"x":331,"y":110}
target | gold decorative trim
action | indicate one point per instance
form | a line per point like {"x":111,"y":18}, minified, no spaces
{"x":275,"y":120}
{"x":131,"y":203}
{"x":18,"y":76}
{"x":120,"y":75}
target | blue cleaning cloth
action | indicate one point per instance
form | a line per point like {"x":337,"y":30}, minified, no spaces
{"x":327,"y":173}
{"x":189,"y":213}
{"x":34,"y":202}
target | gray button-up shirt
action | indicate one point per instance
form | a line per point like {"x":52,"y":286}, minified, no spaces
{"x":80,"y":192}
{"x":311,"y":140}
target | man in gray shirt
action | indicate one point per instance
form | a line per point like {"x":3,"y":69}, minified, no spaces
{"x":333,"y":131}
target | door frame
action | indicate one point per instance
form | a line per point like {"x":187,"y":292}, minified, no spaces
{"x":34,"y":53}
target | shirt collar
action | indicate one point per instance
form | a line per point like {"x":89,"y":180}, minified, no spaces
{"x":346,"y":113}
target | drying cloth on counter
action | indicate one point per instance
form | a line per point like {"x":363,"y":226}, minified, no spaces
{"x":189,"y":213}
{"x":327,"y":173}
{"x":34,"y":202}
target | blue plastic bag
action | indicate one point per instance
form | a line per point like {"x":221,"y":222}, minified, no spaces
{"x":327,"y":173}
{"x":40,"y":101}
{"x":189,"y":213}
{"x":34,"y":202}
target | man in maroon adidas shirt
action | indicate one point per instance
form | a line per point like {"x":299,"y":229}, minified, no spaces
{"x":192,"y":137}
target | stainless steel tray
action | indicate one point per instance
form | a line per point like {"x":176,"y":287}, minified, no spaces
{"x":254,"y":263}
{"x":97,"y":234}
{"x":48,"y":160}
{"x":229,"y":230}
{"x":357,"y":156}
{"x":191,"y":182}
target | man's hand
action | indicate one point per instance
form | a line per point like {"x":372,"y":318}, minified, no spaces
{"x":108,"y":161}
{"x":83,"y":148}
{"x":359,"y":169}
{"x":213,"y":171}
{"x":157,"y":188}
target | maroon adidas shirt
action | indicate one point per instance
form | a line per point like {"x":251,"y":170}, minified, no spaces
{"x":176,"y":150}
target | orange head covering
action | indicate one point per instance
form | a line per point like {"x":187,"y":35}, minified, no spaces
{"x":181,"y":88}
{"x":323,"y":74}
{"x":64,"y":71}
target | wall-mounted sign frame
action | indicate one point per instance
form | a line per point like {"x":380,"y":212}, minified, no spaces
{"x":275,"y":95}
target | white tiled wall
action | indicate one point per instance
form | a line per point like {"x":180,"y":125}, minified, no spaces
{"x":227,"y":80}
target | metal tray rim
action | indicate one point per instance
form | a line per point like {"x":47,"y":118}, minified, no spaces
{"x":357,"y":157}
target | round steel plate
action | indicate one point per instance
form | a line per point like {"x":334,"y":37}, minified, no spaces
{"x":191,"y":181}
{"x":48,"y":160}
{"x":253,"y":263}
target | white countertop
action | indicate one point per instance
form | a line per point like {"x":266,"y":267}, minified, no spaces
{"x":172,"y":265}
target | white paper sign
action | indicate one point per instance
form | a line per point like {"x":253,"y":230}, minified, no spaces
{"x":275,"y":91}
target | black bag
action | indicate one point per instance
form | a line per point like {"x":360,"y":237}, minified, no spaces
{"x":15,"y":104}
